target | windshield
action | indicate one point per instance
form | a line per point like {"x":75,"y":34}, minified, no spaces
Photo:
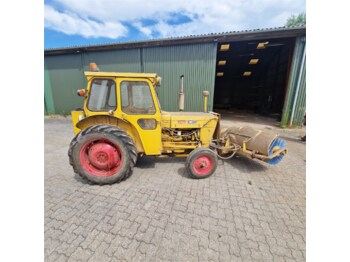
{"x":102,"y":95}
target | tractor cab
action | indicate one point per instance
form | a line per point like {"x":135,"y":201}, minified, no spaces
{"x":125,"y":99}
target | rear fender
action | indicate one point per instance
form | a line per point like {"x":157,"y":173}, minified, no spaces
{"x":113,"y":121}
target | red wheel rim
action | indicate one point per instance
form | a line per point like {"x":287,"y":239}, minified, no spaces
{"x":101,"y":157}
{"x":203,"y":165}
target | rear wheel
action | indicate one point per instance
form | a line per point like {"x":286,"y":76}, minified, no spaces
{"x":201,"y":163}
{"x":102,"y":154}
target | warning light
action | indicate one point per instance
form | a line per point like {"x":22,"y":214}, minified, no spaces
{"x":81,"y":92}
{"x":93,"y":67}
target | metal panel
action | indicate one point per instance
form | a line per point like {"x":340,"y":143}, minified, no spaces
{"x":66,"y":76}
{"x":128,"y":60}
{"x":48,"y":98}
{"x":300,"y":106}
{"x":196,"y":62}
{"x":292,"y":86}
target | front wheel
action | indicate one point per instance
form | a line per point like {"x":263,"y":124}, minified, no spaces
{"x":201,"y":163}
{"x":102,"y":154}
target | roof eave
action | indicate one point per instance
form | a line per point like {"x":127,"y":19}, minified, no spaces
{"x":283,"y":32}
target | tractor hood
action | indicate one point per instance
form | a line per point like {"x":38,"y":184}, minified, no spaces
{"x":187,"y":120}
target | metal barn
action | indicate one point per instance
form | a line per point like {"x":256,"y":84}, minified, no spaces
{"x":261,"y":71}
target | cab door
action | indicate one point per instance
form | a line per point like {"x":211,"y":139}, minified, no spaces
{"x":139,"y":107}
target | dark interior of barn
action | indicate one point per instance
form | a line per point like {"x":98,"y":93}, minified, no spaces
{"x":251,"y":76}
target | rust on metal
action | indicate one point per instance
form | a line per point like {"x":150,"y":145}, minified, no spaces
{"x":254,"y":140}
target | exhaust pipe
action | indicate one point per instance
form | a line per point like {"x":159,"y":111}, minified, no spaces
{"x":182,"y":95}
{"x":205,"y":95}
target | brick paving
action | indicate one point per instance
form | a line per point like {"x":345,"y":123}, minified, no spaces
{"x":246,"y":211}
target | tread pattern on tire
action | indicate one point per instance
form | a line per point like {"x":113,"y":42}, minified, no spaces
{"x":106,"y":129}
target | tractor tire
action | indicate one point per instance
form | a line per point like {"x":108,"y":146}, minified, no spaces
{"x":201,"y":163}
{"x":102,"y":154}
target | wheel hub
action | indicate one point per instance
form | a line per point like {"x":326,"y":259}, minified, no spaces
{"x":203,"y":165}
{"x":103,"y":156}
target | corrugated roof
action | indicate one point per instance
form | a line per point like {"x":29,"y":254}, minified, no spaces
{"x":220,"y":37}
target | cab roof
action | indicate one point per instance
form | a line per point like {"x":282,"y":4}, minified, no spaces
{"x":154,"y":78}
{"x":120,"y":74}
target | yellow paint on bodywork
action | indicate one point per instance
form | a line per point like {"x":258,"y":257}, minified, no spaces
{"x":151,"y":139}
{"x":154,"y":78}
{"x":205,"y":122}
{"x":147,"y":141}
{"x":207,"y":131}
{"x":75,"y":119}
{"x":172,"y":146}
{"x":113,"y":121}
{"x":186,"y":120}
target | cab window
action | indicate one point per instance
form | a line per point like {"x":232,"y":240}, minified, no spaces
{"x":136,"y":98}
{"x":102,"y":95}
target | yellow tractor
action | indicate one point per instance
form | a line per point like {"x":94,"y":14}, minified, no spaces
{"x":122,"y":120}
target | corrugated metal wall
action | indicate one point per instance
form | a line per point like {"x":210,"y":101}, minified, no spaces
{"x":128,"y":60}
{"x":64,"y":74}
{"x":196,"y":62}
{"x":48,"y":98}
{"x":300,"y":106}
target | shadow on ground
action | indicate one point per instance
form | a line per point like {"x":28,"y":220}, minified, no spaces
{"x":244,"y":164}
{"x":150,"y":161}
{"x":182,"y":171}
{"x":292,"y":139}
{"x":82,"y":180}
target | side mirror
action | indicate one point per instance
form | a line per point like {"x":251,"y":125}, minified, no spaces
{"x":81,"y":92}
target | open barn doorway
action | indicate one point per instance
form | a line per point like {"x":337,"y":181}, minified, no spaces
{"x":252,"y":77}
